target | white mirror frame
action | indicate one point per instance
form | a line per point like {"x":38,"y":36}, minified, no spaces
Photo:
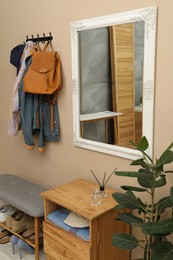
{"x":148,"y":15}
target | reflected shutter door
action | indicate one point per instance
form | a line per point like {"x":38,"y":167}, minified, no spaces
{"x":122,"y":64}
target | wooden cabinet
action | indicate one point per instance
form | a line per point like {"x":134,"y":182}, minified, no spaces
{"x":75,"y":196}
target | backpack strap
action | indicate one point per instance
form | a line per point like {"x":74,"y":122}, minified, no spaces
{"x":48,"y":44}
{"x":52,"y":102}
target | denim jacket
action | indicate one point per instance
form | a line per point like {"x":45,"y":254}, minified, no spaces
{"x":35,"y":111}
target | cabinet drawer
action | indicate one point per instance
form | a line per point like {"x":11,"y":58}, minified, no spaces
{"x":61,"y":245}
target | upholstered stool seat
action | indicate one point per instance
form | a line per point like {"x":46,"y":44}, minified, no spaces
{"x":25,"y":196}
{"x":22,"y":194}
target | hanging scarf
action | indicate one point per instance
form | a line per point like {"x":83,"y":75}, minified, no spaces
{"x":14,"y":116}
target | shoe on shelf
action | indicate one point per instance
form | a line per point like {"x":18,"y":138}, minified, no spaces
{"x":29,"y":230}
{"x":15,"y":216}
{"x":5,"y":211}
{"x":5,"y":239}
{"x":13,"y":241}
{"x":20,"y":224}
{"x":4,"y":233}
{"x":22,"y":245}
{"x":32,"y":238}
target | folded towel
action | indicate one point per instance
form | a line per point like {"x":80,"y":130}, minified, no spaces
{"x":58,"y":217}
{"x":75,"y":220}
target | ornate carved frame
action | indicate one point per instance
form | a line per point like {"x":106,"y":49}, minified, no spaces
{"x":148,"y":15}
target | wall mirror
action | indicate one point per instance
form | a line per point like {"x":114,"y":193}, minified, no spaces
{"x":113,"y":78}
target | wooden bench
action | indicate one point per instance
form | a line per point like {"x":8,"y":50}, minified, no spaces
{"x":25,"y":196}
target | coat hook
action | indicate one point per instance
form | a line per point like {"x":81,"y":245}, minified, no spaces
{"x":50,"y":36}
{"x":44,"y":38}
{"x":38,"y":40}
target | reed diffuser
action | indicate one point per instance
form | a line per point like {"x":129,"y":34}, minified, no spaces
{"x":104,"y":182}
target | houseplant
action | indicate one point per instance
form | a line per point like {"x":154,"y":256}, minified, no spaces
{"x":147,"y":215}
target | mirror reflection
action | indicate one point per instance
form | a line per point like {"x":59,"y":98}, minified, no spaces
{"x":113,"y":78}
{"x":111,"y":83}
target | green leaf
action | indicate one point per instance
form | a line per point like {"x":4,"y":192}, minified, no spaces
{"x":163,"y":227}
{"x":146,"y":171}
{"x":170,"y":146}
{"x":131,"y":219}
{"x":148,"y":227}
{"x":127,"y":201}
{"x":141,"y":162}
{"x":145,"y":181}
{"x":124,"y":241}
{"x":143,"y":144}
{"x":171,"y":194}
{"x":138,"y":162}
{"x":165,"y":158}
{"x":159,"y":183}
{"x":160,"y":245}
{"x":133,"y":188}
{"x":159,"y":170}
{"x":118,"y":207}
{"x":163,"y":204}
{"x":162,"y":250}
{"x":130,"y":194}
{"x":127,"y":174}
{"x":165,"y":255}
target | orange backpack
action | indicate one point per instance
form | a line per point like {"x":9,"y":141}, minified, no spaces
{"x":44,"y":73}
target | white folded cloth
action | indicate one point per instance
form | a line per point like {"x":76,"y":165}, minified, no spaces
{"x":75,"y":220}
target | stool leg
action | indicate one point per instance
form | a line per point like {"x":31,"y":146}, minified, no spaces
{"x":36,"y":229}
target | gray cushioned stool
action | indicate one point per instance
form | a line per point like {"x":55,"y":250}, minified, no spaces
{"x":25,"y":196}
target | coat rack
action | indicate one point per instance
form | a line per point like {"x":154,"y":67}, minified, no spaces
{"x":38,"y":39}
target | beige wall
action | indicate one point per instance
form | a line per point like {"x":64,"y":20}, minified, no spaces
{"x":62,"y":161}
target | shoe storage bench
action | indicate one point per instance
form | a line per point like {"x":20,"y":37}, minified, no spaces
{"x":60,"y":244}
{"x":25,"y":196}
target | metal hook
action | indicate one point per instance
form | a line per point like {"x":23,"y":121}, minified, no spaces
{"x":38,"y":40}
{"x":32,"y":36}
{"x":50,"y":36}
{"x":44,"y":38}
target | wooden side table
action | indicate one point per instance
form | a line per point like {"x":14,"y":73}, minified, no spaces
{"x":76,"y":196}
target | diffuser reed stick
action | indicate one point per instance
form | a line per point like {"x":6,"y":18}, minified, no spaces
{"x":102,"y":186}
